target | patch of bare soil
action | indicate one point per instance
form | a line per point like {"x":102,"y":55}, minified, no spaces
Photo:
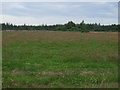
{"x":16,"y":71}
{"x":36,"y":64}
{"x":51,"y":73}
{"x":105,"y":32}
{"x":87,"y":72}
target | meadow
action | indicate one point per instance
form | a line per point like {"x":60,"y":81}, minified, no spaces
{"x":59,"y":59}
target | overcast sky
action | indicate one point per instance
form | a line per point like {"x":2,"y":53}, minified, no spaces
{"x":59,"y":12}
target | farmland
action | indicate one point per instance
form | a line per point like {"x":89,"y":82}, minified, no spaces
{"x":59,"y":59}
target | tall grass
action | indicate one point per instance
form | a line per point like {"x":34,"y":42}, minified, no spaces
{"x":42,"y":59}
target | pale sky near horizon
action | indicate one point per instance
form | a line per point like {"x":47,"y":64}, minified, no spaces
{"x":37,"y":13}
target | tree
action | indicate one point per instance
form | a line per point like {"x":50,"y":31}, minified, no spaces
{"x":69,"y":25}
{"x":84,"y":27}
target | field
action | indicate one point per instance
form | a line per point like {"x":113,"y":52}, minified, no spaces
{"x":56,"y":59}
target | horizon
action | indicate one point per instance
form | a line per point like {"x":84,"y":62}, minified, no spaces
{"x":55,"y":24}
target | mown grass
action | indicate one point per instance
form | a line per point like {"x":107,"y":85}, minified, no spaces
{"x":43,"y":59}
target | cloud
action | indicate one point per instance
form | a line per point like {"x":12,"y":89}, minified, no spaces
{"x":60,"y":0}
{"x":54,"y":12}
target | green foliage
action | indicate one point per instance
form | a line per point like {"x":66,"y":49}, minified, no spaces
{"x":70,"y":26}
{"x":84,"y":27}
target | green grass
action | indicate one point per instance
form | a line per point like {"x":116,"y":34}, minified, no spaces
{"x":43,"y":59}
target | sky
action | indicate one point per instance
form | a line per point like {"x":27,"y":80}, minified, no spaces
{"x":38,"y":13}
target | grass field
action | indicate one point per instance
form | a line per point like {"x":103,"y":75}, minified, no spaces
{"x":56,"y":59}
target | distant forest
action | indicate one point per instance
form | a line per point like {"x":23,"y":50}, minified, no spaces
{"x":70,"y":26}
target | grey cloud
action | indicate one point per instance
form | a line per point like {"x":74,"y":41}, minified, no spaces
{"x":63,"y":9}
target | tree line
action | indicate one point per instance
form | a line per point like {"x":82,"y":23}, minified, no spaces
{"x":70,"y":26}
